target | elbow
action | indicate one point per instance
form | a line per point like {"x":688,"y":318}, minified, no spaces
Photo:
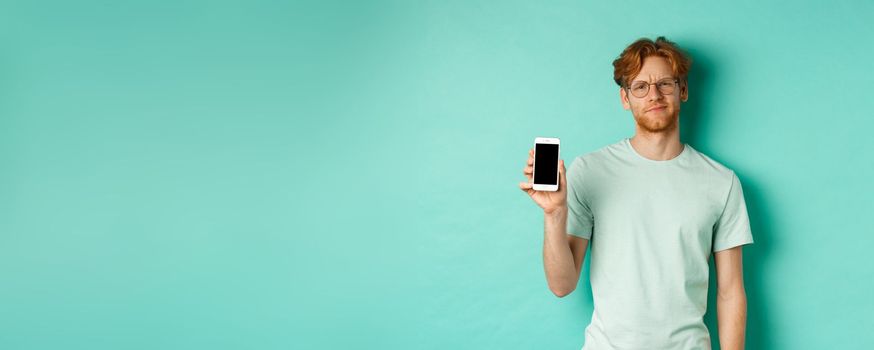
{"x":562,"y":287}
{"x":561,"y":292}
{"x":732,"y":295}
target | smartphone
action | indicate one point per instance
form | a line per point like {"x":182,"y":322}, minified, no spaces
{"x":546,"y":164}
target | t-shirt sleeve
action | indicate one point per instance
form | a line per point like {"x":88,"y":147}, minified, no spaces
{"x":733,"y":226}
{"x":579,"y":221}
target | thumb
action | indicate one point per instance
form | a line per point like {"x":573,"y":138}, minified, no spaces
{"x":561,"y":173}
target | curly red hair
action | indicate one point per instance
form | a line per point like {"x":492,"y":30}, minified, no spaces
{"x":630,"y":62}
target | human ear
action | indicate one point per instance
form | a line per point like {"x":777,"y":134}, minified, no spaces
{"x":623,"y":96}
{"x":684,"y":92}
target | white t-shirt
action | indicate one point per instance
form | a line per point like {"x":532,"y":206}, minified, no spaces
{"x":652,"y":226}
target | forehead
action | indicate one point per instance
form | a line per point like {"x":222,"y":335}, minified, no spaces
{"x":654,"y":68}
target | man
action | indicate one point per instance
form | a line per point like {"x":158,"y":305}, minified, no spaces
{"x":653,"y":209}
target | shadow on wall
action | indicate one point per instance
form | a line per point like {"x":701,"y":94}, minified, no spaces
{"x":693,"y":122}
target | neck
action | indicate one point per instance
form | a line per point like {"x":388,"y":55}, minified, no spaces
{"x":657,"y":145}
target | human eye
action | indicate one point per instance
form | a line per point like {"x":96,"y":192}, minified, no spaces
{"x":666,"y":83}
{"x":639,"y":86}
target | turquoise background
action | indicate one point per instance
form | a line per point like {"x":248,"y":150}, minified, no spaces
{"x":339,"y":174}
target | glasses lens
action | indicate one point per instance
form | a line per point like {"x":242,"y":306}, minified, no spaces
{"x":666,"y":87}
{"x":639,"y":89}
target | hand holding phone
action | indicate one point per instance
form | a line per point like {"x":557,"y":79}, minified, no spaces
{"x":546,"y":175}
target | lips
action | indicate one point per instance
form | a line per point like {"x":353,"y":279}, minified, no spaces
{"x":656,"y":108}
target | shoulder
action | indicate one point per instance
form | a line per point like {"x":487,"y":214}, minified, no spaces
{"x":597,"y":157}
{"x":712,"y":168}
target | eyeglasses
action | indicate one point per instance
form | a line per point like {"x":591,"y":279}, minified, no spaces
{"x":641,"y":88}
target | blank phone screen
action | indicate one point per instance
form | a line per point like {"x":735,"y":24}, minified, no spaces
{"x":545,"y":164}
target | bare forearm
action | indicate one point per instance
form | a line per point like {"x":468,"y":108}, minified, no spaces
{"x":558,"y":260}
{"x":731,"y":313}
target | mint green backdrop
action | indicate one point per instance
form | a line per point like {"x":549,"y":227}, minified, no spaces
{"x":343,"y":174}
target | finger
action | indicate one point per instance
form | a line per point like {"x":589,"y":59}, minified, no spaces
{"x":525,"y":186}
{"x":561,"y":174}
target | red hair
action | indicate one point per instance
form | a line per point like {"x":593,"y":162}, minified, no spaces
{"x":630,"y":62}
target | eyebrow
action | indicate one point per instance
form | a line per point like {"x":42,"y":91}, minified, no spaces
{"x":659,"y":79}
